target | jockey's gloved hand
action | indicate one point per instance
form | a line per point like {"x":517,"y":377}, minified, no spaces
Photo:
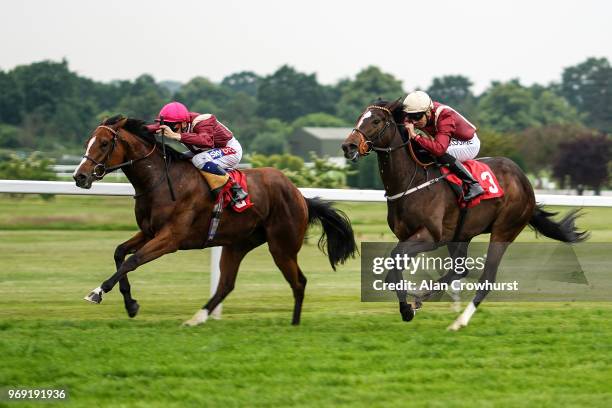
{"x":169,"y":132}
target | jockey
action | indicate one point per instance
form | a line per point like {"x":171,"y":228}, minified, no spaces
{"x":453,"y":141}
{"x":212,"y":147}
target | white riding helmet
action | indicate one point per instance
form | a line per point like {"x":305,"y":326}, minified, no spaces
{"x":417,"y":101}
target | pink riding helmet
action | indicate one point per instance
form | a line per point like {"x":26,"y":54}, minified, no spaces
{"x":174,"y":112}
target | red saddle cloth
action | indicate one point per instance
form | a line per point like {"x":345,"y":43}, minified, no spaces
{"x":485,"y":177}
{"x":238,"y":177}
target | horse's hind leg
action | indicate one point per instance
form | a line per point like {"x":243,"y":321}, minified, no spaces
{"x":293,"y":274}
{"x":230,"y":262}
{"x":128,"y":247}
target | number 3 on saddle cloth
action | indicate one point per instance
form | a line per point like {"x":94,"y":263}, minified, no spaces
{"x":485,"y":177}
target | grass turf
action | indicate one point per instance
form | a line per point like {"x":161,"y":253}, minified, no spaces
{"x":344,"y":353}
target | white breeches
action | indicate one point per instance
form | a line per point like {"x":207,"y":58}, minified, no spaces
{"x":226,"y":157}
{"x":463,"y":150}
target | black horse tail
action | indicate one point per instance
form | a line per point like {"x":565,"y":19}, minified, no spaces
{"x":564,"y":230}
{"x":337,"y":231}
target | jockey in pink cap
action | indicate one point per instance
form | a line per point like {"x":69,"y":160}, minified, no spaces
{"x":212,"y":146}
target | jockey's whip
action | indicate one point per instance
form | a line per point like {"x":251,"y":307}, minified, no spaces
{"x":161,"y":122}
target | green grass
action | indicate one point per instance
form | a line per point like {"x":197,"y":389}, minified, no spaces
{"x":344,"y":353}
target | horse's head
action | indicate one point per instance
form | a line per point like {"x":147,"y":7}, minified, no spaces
{"x":103,"y":152}
{"x":375,"y":128}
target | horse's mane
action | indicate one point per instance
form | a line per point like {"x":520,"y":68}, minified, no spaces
{"x":137,"y":127}
{"x":396,"y":108}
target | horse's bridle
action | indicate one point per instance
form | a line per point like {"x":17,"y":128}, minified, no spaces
{"x":366,"y":146}
{"x":100,"y":169}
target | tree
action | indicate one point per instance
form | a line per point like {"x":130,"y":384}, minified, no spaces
{"x":368,"y":85}
{"x":11,"y":100}
{"x":288,"y":94}
{"x":588,"y":87}
{"x":245,"y":81}
{"x":584,"y":162}
{"x":200,"y":90}
{"x":143,"y":98}
{"x":510,"y":107}
{"x":537,"y":146}
{"x":455,"y":91}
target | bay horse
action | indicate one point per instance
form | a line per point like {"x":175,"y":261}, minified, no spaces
{"x":430,"y":218}
{"x":281,"y":214}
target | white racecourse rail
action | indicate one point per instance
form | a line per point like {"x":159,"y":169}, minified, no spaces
{"x":126,"y":189}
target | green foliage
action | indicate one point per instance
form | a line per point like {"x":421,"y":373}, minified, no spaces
{"x":538,"y":146}
{"x":288,"y":94}
{"x":320,"y":173}
{"x":269,"y":143}
{"x":143,"y":98}
{"x":9,"y":137}
{"x":369,"y":85}
{"x":32,"y":167}
{"x":455,"y":91}
{"x":584,"y":162}
{"x":588,"y":87}
{"x":365,"y":173}
{"x":199,"y":89}
{"x":493,"y":143}
{"x":511,"y":107}
{"x":246,"y":82}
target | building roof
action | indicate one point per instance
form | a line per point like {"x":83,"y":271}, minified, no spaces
{"x":328,"y":133}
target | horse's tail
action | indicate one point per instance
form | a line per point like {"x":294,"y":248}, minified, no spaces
{"x":337,"y":231}
{"x":564,"y":230}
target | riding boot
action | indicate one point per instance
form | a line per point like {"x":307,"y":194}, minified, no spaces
{"x":474,"y":189}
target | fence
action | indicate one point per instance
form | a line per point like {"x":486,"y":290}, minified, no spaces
{"x":125,"y":189}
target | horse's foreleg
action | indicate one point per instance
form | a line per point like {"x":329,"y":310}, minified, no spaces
{"x":495,"y":253}
{"x":128,"y":247}
{"x":161,"y":244}
{"x":230,"y":261}
{"x":421,"y":241}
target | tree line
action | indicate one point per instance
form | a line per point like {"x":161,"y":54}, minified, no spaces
{"x":560,"y":128}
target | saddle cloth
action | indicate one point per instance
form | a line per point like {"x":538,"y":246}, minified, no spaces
{"x":485,"y":176}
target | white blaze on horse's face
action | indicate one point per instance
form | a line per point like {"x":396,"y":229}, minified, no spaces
{"x":91,"y":143}
{"x":364,"y":117}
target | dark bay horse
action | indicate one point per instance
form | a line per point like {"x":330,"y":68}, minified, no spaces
{"x":280,"y":216}
{"x":429,"y":217}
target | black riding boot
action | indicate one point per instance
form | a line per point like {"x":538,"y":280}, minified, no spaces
{"x":454,"y":165}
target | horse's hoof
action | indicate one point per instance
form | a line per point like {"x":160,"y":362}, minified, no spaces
{"x":200,"y":317}
{"x":407,"y":312}
{"x":455,"y":326}
{"x":95,"y":296}
{"x":132,"y":310}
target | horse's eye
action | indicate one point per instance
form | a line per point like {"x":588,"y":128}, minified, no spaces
{"x":376,"y":121}
{"x":104,"y":143}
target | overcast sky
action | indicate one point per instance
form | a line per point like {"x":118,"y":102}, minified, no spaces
{"x":413,"y":40}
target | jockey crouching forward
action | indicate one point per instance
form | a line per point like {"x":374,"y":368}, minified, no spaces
{"x":454,"y":138}
{"x":212,"y":146}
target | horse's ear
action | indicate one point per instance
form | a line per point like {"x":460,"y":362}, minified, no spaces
{"x":121,"y":123}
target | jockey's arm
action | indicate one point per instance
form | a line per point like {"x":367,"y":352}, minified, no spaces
{"x":203,"y":135}
{"x":439,"y":144}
